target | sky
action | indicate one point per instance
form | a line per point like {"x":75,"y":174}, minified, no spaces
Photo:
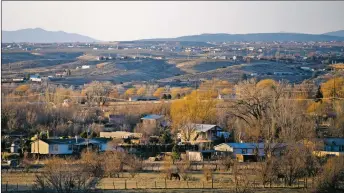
{"x":120,"y":21}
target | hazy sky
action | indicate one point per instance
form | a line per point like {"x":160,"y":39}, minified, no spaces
{"x":137,"y":20}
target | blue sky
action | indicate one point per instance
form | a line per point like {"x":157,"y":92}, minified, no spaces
{"x":131,"y":20}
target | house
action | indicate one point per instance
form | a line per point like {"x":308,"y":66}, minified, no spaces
{"x":198,"y":133}
{"x":35,"y":78}
{"x":67,"y":146}
{"x":117,"y":119}
{"x":331,"y":147}
{"x":199,"y":155}
{"x":85,"y":67}
{"x":246,"y":151}
{"x":152,"y":120}
{"x":120,"y":135}
{"x":143,"y":98}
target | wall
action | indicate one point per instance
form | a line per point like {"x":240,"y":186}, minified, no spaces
{"x":62,"y":149}
{"x":42,"y":146}
{"x":194,"y":156}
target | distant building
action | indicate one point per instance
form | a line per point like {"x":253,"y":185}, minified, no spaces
{"x":283,"y":73}
{"x":332,"y":147}
{"x":152,"y":120}
{"x":143,"y":98}
{"x":120,"y":135}
{"x":35,"y":78}
{"x":247,"y":151}
{"x":85,"y":67}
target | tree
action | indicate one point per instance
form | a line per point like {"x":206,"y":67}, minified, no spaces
{"x":332,"y":176}
{"x":159,"y":92}
{"x":114,"y":163}
{"x":175,"y":153}
{"x":227,"y":162}
{"x":244,"y":77}
{"x":318,"y":95}
{"x":198,"y":107}
{"x":333,"y":87}
{"x":130,"y":92}
{"x":22,"y":89}
{"x":98,"y":92}
{"x":93,"y":163}
{"x":60,"y":177}
{"x":114,"y":93}
{"x":293,"y":163}
{"x":141,"y":91}
{"x":175,"y":92}
{"x":184,"y":169}
{"x":226,"y":91}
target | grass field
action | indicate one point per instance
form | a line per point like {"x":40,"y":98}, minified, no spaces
{"x":153,"y":182}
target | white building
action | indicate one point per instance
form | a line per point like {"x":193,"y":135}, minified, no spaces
{"x":85,"y":67}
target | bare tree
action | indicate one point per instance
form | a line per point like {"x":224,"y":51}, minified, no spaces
{"x":293,"y":163}
{"x":59,"y":175}
{"x":98,"y":92}
{"x":332,"y":176}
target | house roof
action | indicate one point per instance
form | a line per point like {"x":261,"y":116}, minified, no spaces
{"x":34,"y":76}
{"x":152,"y":116}
{"x":203,"y":127}
{"x":245,"y":145}
{"x":73,"y":141}
{"x":122,"y":134}
{"x":250,"y":145}
{"x":334,"y":141}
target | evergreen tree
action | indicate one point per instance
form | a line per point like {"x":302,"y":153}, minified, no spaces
{"x":318,"y":95}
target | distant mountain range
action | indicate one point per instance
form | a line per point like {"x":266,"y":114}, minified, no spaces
{"x":265,"y":37}
{"x":339,"y":33}
{"x":38,"y":35}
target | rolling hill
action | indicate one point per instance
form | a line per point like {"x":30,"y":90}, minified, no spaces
{"x":38,"y":35}
{"x":339,"y":33}
{"x":265,"y":37}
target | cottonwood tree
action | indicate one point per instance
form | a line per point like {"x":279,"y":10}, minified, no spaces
{"x":292,"y":164}
{"x":332,"y":176}
{"x":62,"y":176}
{"x":98,"y":92}
{"x":198,"y":107}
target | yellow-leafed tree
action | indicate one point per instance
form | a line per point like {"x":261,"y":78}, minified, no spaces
{"x":194,"y":108}
{"x":333,"y":87}
{"x":159,"y":92}
{"x":141,"y":91}
{"x":130,"y":92}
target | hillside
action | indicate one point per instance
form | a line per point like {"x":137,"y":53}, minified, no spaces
{"x":38,"y":35}
{"x":339,"y":33}
{"x":265,"y":37}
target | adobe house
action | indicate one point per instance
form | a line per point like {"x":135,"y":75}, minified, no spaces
{"x":201,"y":133}
{"x":67,"y":146}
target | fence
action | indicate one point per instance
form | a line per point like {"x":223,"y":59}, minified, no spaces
{"x":127,"y":184}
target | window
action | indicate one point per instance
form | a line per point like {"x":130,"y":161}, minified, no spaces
{"x":341,"y":148}
{"x":55,"y":148}
{"x":70,"y":147}
{"x":244,"y":151}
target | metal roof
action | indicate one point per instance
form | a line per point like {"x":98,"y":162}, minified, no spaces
{"x":203,"y":127}
{"x":73,"y":141}
{"x":245,"y":145}
{"x":152,"y":116}
{"x":251,"y":145}
{"x":334,"y":141}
